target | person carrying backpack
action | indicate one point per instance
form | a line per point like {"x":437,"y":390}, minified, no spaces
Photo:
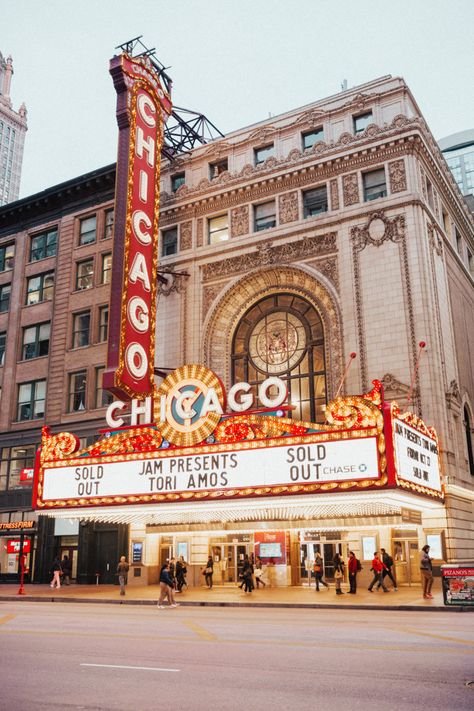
{"x":387,"y":560}
{"x":354,"y":567}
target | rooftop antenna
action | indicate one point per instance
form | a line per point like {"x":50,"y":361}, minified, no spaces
{"x":344,"y":85}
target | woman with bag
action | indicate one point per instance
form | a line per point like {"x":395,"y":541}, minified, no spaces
{"x":338,"y":572}
{"x":208,"y":571}
{"x":318,"y":571}
{"x":258,"y":572}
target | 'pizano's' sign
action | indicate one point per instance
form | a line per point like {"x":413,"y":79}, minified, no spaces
{"x":142,"y":108}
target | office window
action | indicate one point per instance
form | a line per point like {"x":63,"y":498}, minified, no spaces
{"x":36,"y":341}
{"x":43,"y":245}
{"x":217,"y":168}
{"x":470,"y":262}
{"x":40,"y":288}
{"x":108,"y":224}
{"x":312,"y":137}
{"x":362,"y":121}
{"x":458,"y":241}
{"x":315,"y":201}
{"x":169,"y":242}
{"x":429,"y":192}
{"x":7,"y":254}
{"x":87,"y":230}
{"x":84,"y":274}
{"x":31,"y":400}
{"x":12,"y":461}
{"x":102,"y":397}
{"x":264,"y":216}
{"x":218,"y":229}
{"x":3,"y":342}
{"x":5,"y":297}
{"x":177,"y":180}
{"x":261,"y":154}
{"x":80,"y":329}
{"x":103,"y":323}
{"x":375,"y":185}
{"x":106,"y":271}
{"x":77,"y":391}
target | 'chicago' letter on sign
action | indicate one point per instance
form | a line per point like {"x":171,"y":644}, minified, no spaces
{"x":142,"y":107}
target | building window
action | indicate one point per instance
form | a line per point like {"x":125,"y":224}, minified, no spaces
{"x":282,"y":335}
{"x":87,"y":230}
{"x":362,"y":121}
{"x":458,"y":241}
{"x":375,"y":185}
{"x":43,"y":245}
{"x":261,"y":154}
{"x":3,"y":342}
{"x":312,"y":137}
{"x":40,"y":288}
{"x":468,"y":433}
{"x":177,"y":180}
{"x":12,"y":461}
{"x":103,"y":323}
{"x":77,"y":391}
{"x":36,"y":341}
{"x":80,"y":329}
{"x":84,"y":274}
{"x":7,"y":255}
{"x":218,"y":229}
{"x":470,"y":262}
{"x":102,"y":397}
{"x":108,"y":224}
{"x":31,"y":400}
{"x":169,"y":242}
{"x":315,"y":201}
{"x":5,"y":297}
{"x":264,"y":216}
{"x":106,"y":271}
{"x":215,"y":169}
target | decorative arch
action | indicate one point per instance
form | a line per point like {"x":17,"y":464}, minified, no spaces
{"x":230,"y":308}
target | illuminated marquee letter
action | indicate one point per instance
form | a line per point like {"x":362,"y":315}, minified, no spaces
{"x":135,"y":352}
{"x":279,"y":398}
{"x":137,"y":218}
{"x":245,"y":402}
{"x":144,"y":102}
{"x":147,"y":145}
{"x":139,"y":271}
{"x":138,"y":314}
{"x":109,"y":415}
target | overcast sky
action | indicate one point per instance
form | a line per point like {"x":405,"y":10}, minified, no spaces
{"x":234,"y":60}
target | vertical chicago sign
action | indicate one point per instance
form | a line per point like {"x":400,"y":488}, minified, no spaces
{"x":142,"y":108}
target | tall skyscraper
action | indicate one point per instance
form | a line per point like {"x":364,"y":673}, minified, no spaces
{"x":458,"y":149}
{"x":12,"y":136}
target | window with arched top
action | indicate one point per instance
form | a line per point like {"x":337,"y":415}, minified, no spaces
{"x":468,"y":433}
{"x":283,"y":335}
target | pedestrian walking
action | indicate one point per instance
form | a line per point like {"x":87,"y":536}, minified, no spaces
{"x":338,"y":572}
{"x":258,"y":572}
{"x":377,"y":568}
{"x":181,"y":570}
{"x":387,"y":560}
{"x":172,"y":571}
{"x":426,"y":570}
{"x":56,"y":571}
{"x":247,"y":572}
{"x":122,"y":572}
{"x":208,"y":571}
{"x":166,"y":587}
{"x":318,"y":568}
{"x":353,"y":566}
{"x":66,"y":566}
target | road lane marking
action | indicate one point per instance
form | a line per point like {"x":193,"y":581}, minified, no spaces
{"x":6,"y":618}
{"x":120,"y":666}
{"x":443,"y":637}
{"x":200,"y":631}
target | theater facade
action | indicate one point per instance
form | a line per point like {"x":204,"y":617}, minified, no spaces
{"x":284,"y":248}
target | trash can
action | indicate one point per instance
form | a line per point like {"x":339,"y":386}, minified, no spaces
{"x":458,"y":584}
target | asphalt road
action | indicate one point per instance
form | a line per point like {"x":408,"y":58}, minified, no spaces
{"x":108,"y":657}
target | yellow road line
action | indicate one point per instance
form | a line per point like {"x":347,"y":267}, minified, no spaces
{"x":443,"y":637}
{"x":200,"y":631}
{"x":6,"y":618}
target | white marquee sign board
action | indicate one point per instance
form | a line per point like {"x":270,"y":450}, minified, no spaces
{"x":416,"y":456}
{"x":263,"y":466}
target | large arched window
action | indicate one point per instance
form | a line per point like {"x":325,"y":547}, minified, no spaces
{"x":283,"y":335}
{"x":468,"y":433}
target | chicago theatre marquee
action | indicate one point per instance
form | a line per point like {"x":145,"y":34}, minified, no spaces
{"x":249,"y":447}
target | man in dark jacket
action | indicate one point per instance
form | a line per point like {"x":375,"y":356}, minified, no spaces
{"x":387,"y":560}
{"x":67,"y":569}
{"x":166,"y":587}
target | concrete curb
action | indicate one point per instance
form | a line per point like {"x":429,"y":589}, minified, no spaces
{"x":275,"y":605}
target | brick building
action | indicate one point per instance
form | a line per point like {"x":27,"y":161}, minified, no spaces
{"x":338,"y":223}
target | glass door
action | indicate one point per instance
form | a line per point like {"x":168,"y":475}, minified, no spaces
{"x":329,"y":551}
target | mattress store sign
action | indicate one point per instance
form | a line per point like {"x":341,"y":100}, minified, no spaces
{"x":266,"y":465}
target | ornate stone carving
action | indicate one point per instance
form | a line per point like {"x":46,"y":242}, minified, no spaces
{"x":394,"y":389}
{"x":397,"y":176}
{"x":435,"y":241}
{"x":350,"y":189}
{"x":334,"y":194}
{"x":288,"y":207}
{"x":174,"y":283}
{"x":328,"y":267}
{"x":359,"y":101}
{"x":239,"y":221}
{"x":453,"y":396}
{"x":345,"y":138}
{"x":199,"y":232}
{"x":217,"y":148}
{"x":185,"y":236}
{"x":377,"y":230}
{"x":210,"y":291}
{"x":262,"y":134}
{"x":266,"y":254}
{"x":313,"y":118}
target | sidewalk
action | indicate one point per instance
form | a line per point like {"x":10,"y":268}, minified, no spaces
{"x":229,"y":596}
